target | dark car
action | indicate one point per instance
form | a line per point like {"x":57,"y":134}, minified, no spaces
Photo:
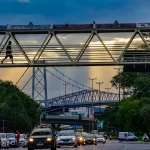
{"x":80,"y":139}
{"x":90,"y":139}
{"x":42,"y":138}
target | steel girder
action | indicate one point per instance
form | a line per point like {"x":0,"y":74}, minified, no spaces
{"x":84,"y":98}
{"x":72,"y":55}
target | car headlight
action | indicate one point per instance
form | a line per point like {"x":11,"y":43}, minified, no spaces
{"x":81,"y":138}
{"x":31,"y":139}
{"x":73,"y":138}
{"x":58,"y":139}
{"x":49,"y":139}
{"x":94,"y":139}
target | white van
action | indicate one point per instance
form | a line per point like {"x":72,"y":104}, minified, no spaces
{"x":127,"y":136}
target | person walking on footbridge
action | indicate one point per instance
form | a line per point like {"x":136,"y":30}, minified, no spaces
{"x":8,"y":52}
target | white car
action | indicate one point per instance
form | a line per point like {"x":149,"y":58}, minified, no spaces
{"x":23,"y":141}
{"x":12,"y":140}
{"x":66,"y":138}
{"x":127,"y":136}
{"x":100,"y":139}
{"x":4,"y":140}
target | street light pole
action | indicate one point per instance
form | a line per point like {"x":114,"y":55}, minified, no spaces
{"x":107,"y":89}
{"x":119,"y":88}
{"x":99,"y":85}
{"x":92,"y":79}
{"x":65,"y":84}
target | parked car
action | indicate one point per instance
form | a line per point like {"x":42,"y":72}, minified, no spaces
{"x":12,"y":140}
{"x":22,"y":141}
{"x":128,"y":136}
{"x":4,"y":140}
{"x":66,"y":138}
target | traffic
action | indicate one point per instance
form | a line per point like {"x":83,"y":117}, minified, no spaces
{"x":48,"y":137}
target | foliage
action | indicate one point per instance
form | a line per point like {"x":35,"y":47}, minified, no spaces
{"x":18,"y":109}
{"x":133,"y":112}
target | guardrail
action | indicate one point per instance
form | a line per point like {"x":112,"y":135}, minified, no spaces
{"x":67,"y":117}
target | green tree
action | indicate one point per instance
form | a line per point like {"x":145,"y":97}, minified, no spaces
{"x":17,"y":108}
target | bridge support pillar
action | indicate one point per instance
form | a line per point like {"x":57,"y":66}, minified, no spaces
{"x":39,"y":84}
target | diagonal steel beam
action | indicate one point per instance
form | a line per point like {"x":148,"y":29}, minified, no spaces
{"x":43,"y":46}
{"x":142,"y":37}
{"x":5,"y":42}
{"x":84,"y":47}
{"x":20,"y":48}
{"x":127,"y":46}
{"x":63,"y":48}
{"x":105,"y":47}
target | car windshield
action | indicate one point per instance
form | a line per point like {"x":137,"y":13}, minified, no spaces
{"x":37,"y":133}
{"x":99,"y":136}
{"x":131,"y":134}
{"x":2,"y":135}
{"x":22,"y":136}
{"x":90,"y":136}
{"x":11,"y":135}
{"x":64,"y":133}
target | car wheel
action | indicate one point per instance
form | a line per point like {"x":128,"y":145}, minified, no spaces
{"x":30,"y":148}
{"x":75,"y":146}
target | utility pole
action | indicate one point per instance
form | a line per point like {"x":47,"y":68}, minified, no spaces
{"x":119,"y":86}
{"x":3,"y":124}
{"x":92,"y":79}
{"x":99,"y":88}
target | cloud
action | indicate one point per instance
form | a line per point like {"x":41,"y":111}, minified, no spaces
{"x":24,"y":1}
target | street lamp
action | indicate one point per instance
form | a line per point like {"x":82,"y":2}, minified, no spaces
{"x":119,"y":88}
{"x":92,"y":79}
{"x":65,"y":84}
{"x":99,"y":87}
{"x":107,"y":89}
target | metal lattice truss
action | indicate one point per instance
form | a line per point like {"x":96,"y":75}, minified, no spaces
{"x":81,"y":54}
{"x":84,"y":98}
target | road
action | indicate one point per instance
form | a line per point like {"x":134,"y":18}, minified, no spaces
{"x":110,"y":145}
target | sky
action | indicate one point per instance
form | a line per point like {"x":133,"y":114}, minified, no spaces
{"x":21,"y":12}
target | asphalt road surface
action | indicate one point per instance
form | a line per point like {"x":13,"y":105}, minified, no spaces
{"x":110,"y":145}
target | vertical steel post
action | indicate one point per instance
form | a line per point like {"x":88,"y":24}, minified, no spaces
{"x":45,"y":86}
{"x":33,"y":81}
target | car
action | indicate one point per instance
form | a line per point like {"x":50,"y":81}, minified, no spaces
{"x":100,"y":139}
{"x":80,"y":139}
{"x":90,"y":139}
{"x":12,"y":140}
{"x":42,"y":138}
{"x":127,"y":136}
{"x":66,"y":138}
{"x":22,"y":141}
{"x":4,"y":140}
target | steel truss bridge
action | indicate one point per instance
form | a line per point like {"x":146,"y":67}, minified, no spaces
{"x":67,"y":53}
{"x":84,"y":98}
